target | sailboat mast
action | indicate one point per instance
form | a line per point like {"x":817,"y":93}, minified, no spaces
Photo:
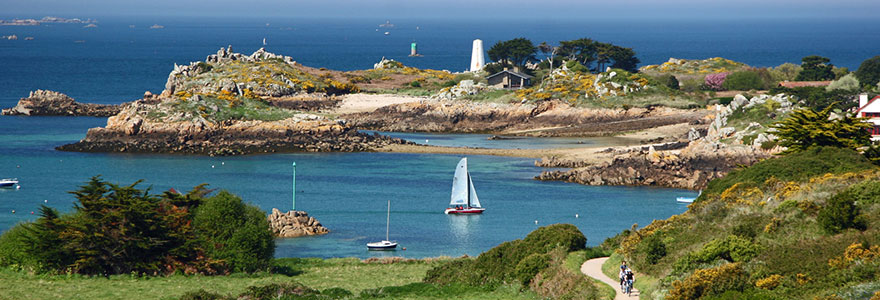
{"x":468,"y":189}
{"x":388,"y":221}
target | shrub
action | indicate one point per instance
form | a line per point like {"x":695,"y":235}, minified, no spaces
{"x":793,"y":167}
{"x":669,"y":81}
{"x":575,"y":66}
{"x":500,"y":263}
{"x":743,"y":81}
{"x":817,"y":98}
{"x":527,"y":268}
{"x":13,"y":245}
{"x":769,"y":282}
{"x":654,"y":248}
{"x":868,"y":72}
{"x":715,"y":82}
{"x":707,"y":282}
{"x":692,"y":85}
{"x":840,"y":213}
{"x":864,"y":193}
{"x":847,"y":83}
{"x":234,"y":232}
{"x":415,"y":83}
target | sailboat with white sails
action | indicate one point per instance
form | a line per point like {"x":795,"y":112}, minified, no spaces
{"x":464,"y":197}
{"x":385,"y":244}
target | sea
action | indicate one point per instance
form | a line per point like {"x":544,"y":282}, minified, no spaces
{"x":121,"y":58}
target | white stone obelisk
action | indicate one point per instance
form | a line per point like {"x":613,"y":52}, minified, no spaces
{"x":477,"y":61}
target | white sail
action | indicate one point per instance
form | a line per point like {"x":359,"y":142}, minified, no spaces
{"x":460,"y":184}
{"x":472,"y":193}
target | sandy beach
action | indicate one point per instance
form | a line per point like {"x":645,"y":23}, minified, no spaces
{"x":356,"y":103}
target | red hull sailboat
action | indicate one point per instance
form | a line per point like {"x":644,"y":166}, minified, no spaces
{"x":464,"y":196}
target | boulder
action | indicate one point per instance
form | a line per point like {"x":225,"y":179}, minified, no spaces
{"x":294,"y":224}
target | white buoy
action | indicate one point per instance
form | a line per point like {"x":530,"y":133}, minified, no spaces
{"x":576,"y":216}
{"x":222,"y":163}
{"x":45,"y":201}
{"x":426,"y":141}
{"x":536,"y":222}
{"x":17,"y":186}
{"x":212,"y":166}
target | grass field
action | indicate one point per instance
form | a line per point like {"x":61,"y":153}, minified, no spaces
{"x":347,"y":273}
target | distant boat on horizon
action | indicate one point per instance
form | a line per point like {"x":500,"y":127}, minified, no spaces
{"x":387,"y":24}
{"x":464,"y":198}
{"x":264,"y":41}
{"x":387,"y":33}
{"x":157,"y":26}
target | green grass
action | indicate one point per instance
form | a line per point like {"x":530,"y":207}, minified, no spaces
{"x":242,"y":109}
{"x":349,"y":274}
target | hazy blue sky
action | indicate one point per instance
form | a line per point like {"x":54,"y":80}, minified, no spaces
{"x":696,"y":9}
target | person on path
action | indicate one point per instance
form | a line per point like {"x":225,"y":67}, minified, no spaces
{"x":622,"y":274}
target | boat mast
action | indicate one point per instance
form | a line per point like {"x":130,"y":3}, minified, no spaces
{"x":468,"y":189}
{"x":388,"y":220}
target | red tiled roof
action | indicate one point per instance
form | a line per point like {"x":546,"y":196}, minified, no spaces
{"x":797,"y":84}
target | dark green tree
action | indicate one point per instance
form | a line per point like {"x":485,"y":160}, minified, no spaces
{"x":815,"y":68}
{"x":805,"y":128}
{"x":624,"y":58}
{"x":743,"y":81}
{"x":869,"y":72}
{"x":517,"y":52}
{"x":234,"y":232}
{"x":581,"y":50}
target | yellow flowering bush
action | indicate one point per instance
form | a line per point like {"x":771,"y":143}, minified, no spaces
{"x":704,"y":282}
{"x":769,"y":282}
{"x":855,"y":253}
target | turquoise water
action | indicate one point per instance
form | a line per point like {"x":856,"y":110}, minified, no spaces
{"x":347,"y":192}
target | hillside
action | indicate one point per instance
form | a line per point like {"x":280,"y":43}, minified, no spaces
{"x":801,"y":226}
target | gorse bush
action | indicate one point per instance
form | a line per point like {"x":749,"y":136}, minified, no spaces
{"x":793,"y":167}
{"x":654,"y":248}
{"x":122,"y":229}
{"x":499,"y":264}
{"x":707,"y":282}
{"x":527,"y":268}
{"x":841,"y":213}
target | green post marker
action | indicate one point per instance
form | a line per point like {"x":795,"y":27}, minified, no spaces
{"x":294,"y":186}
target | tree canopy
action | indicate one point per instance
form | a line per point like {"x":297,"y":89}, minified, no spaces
{"x":517,"y":52}
{"x":815,"y":68}
{"x":598,"y":55}
{"x":117,"y":229}
{"x":869,"y":72}
{"x":805,"y":128}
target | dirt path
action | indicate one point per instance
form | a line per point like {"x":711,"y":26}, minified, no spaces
{"x":593,"y":268}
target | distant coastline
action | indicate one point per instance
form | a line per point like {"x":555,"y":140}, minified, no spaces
{"x":47,"y":19}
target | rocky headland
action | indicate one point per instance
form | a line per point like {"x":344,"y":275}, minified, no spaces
{"x":51,"y":103}
{"x":715,"y":146}
{"x":294,"y":224}
{"x":546,"y":118}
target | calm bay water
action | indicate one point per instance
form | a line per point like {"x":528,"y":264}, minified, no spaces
{"x":347,"y":192}
{"x":122,"y":58}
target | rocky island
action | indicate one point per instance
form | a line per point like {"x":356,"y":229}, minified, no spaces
{"x":233,"y":104}
{"x":51,"y":103}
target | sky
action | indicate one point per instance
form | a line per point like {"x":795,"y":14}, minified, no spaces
{"x":568,"y":9}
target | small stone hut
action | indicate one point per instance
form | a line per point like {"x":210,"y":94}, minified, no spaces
{"x":508,"y":79}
